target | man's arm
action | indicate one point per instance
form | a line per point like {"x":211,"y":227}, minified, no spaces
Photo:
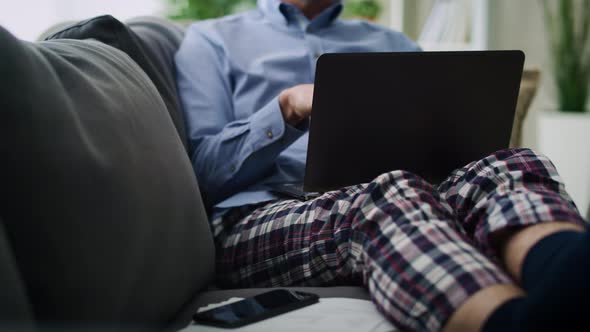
{"x":228,"y":154}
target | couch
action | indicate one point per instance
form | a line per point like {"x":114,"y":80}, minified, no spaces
{"x":102,"y":225}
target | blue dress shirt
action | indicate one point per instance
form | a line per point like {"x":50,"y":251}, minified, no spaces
{"x":230,"y":72}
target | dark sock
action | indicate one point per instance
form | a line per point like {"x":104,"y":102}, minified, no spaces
{"x":560,"y":297}
{"x":527,"y":315}
{"x":547,"y":255}
{"x":506,"y":317}
{"x":556,"y":276}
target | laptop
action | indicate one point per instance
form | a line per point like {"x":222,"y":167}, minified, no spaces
{"x":424,"y":112}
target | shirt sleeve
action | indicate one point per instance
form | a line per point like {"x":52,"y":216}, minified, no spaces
{"x":402,"y":43}
{"x":227,"y":154}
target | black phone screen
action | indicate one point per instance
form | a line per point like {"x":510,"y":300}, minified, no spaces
{"x":255,"y":308}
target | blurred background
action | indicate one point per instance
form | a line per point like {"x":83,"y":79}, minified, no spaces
{"x":554,"y":34}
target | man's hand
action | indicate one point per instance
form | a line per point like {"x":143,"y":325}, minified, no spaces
{"x":295,"y":103}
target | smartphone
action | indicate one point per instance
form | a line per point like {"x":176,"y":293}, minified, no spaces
{"x":295,"y":191}
{"x":256,"y":308}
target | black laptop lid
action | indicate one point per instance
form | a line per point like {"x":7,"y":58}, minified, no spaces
{"x":424,"y":112}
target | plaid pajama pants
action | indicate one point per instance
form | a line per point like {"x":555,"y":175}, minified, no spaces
{"x":421,"y":251}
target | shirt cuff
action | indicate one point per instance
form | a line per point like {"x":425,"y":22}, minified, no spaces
{"x":268,"y":126}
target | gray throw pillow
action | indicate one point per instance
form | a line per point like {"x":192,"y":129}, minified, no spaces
{"x":148,"y":43}
{"x":98,"y":197}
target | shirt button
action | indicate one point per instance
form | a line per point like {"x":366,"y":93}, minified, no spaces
{"x":232,"y":168}
{"x":269,"y":134}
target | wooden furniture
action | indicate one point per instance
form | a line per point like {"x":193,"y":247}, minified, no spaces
{"x":528,"y":90}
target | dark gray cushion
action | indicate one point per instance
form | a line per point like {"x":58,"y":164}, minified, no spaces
{"x":160,"y":39}
{"x":150,"y":49}
{"x":98,"y":197}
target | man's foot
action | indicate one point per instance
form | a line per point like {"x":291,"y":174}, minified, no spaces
{"x":558,"y":283}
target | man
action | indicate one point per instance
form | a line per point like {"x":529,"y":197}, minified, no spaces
{"x":244,"y":81}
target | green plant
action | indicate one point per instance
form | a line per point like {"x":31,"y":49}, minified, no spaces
{"x":369,"y":9}
{"x":204,"y":9}
{"x":569,"y":36}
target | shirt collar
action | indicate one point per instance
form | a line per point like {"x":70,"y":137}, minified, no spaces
{"x":282,"y":13}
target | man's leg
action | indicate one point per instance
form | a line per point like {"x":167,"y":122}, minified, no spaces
{"x":393,"y":235}
{"x":515,"y":245}
{"x":559,"y":297}
{"x":509,"y":202}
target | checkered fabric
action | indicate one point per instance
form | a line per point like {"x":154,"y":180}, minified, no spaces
{"x":510,"y":188}
{"x":410,"y":244}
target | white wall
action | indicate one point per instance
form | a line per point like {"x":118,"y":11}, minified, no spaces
{"x":512,"y":25}
{"x":28,"y":18}
{"x":520,"y":25}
